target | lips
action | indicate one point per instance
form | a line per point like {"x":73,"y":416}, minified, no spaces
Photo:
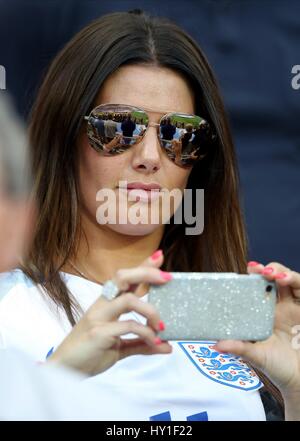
{"x":141,"y":191}
{"x":142,"y":186}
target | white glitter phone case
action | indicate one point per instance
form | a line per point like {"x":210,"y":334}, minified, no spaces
{"x":215,"y":306}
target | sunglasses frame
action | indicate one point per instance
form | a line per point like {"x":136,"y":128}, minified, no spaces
{"x":132,"y":108}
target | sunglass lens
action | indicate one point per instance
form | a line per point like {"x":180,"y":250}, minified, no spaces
{"x":184,"y":138}
{"x":112,"y":129}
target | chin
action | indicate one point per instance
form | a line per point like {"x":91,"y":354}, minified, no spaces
{"x":133,"y":230}
{"x":134,"y":221}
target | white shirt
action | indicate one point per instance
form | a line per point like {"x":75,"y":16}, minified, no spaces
{"x":31,"y":392}
{"x":194,"y":382}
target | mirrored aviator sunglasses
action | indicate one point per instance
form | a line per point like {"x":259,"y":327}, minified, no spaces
{"x":114,"y":128}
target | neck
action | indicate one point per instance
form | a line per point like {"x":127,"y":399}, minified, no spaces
{"x":102,"y":251}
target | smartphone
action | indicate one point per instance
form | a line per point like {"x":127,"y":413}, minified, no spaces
{"x":215,"y":306}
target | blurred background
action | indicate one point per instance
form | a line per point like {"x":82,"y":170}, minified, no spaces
{"x":252,"y":46}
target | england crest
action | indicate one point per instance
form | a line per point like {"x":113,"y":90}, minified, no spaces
{"x":227,"y":369}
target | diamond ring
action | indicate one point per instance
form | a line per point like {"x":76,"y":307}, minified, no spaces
{"x":110,"y":290}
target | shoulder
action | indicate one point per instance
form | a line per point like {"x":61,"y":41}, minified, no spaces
{"x":18,"y":293}
{"x":29,"y":318}
{"x":23,"y":301}
{"x":12,"y":280}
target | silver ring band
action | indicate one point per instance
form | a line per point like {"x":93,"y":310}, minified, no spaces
{"x":110,"y":290}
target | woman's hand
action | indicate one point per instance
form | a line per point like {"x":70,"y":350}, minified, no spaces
{"x":115,"y":141}
{"x":95,"y":343}
{"x":278,"y":356}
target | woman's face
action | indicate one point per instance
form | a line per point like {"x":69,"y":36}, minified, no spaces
{"x":149,"y":87}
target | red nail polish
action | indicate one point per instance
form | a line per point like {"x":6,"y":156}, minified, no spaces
{"x":156,"y":254}
{"x":252,"y":263}
{"x":267,"y":270}
{"x":157,"y":341}
{"x":165,"y":275}
{"x":280,"y":275}
{"x":161,"y":326}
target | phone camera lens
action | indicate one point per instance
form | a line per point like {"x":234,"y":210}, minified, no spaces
{"x":269,"y":288}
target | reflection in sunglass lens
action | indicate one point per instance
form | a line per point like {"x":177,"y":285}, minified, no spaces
{"x":113,"y":129}
{"x":184,"y":138}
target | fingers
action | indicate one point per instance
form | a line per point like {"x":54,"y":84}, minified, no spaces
{"x":139,"y":347}
{"x":105,"y":311}
{"x":254,"y":267}
{"x":124,"y":278}
{"x":250,"y":352}
{"x":284,"y":277}
{"x":289,"y":279}
{"x":145,"y":333}
{"x":270,"y":269}
{"x":155,"y":261}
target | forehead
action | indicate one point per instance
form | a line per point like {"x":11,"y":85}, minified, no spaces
{"x":146,"y":86}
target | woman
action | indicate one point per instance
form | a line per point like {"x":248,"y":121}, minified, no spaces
{"x":182,"y":144}
{"x":74,"y":252}
{"x":19,"y":375}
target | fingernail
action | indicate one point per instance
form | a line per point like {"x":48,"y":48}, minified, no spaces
{"x":165,"y":275}
{"x":267,"y":270}
{"x":252,"y":263}
{"x":161,"y":326}
{"x":156,"y":254}
{"x":280,"y":275}
{"x":157,"y":341}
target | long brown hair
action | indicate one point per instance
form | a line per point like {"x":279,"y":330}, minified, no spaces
{"x":68,"y":93}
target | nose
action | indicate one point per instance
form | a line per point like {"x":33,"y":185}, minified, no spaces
{"x":147,"y":153}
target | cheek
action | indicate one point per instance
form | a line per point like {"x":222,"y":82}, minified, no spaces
{"x":177,"y":176}
{"x":97,"y":171}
